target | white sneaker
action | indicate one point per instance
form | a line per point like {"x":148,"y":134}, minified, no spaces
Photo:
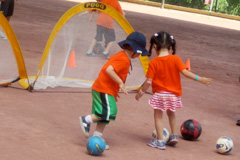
{"x":107,"y":147}
{"x":100,"y":135}
{"x":106,"y":54}
{"x":85,"y":126}
{"x":157,"y":144}
{"x":3,"y":35}
{"x":90,"y":53}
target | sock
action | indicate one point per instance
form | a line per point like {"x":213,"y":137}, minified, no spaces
{"x":161,"y":141}
{"x":88,"y":118}
{"x":96,"y":133}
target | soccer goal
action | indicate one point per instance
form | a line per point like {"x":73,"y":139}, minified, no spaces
{"x":65,"y":62}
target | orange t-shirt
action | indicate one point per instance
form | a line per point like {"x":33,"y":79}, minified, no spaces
{"x":165,"y":74}
{"x":106,"y":20}
{"x":104,"y":84}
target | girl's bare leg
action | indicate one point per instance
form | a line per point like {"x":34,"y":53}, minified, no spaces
{"x":158,"y":115}
{"x":172,"y":121}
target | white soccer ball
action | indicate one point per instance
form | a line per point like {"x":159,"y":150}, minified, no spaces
{"x":224,"y":145}
{"x":165,"y":134}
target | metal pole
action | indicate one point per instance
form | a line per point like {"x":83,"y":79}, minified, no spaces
{"x":163,"y":1}
{"x":210,"y":10}
{"x":216,"y":5}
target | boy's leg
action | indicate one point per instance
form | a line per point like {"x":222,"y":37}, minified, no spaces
{"x":104,"y":108}
{"x":90,"y":50}
{"x":109,"y":35}
{"x":85,"y":123}
{"x":100,"y":127}
{"x":107,"y":49}
{"x":99,"y":132}
{"x":98,"y":38}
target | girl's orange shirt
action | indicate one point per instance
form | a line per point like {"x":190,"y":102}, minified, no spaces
{"x":165,"y":74}
{"x":104,"y":84}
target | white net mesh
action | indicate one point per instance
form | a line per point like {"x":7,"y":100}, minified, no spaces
{"x":67,"y":64}
{"x":8,"y":64}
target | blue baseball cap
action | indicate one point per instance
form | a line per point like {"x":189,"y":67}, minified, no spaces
{"x":137,"y":41}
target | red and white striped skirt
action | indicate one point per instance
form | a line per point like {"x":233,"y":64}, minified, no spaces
{"x":165,"y":100}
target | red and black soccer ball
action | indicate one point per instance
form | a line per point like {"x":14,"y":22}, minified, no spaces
{"x":191,"y":130}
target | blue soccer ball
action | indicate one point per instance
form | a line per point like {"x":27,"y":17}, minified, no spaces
{"x":96,"y":146}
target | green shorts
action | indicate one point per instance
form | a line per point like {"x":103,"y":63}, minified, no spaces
{"x":104,"y":107}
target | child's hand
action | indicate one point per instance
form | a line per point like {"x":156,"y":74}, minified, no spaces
{"x":122,"y":86}
{"x":138,"y":96}
{"x":205,"y":80}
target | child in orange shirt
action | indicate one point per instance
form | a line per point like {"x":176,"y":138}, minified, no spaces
{"x":164,"y":76}
{"x":105,"y":28}
{"x":110,"y":79}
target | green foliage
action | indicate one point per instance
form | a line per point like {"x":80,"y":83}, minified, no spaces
{"x":198,"y":4}
{"x":222,"y":6}
{"x":233,"y":7}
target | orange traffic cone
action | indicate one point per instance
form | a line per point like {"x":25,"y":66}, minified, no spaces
{"x":72,"y":61}
{"x":188,"y":65}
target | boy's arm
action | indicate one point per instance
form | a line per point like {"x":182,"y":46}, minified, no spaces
{"x":113,"y":75}
{"x":91,"y":17}
{"x":193,"y":76}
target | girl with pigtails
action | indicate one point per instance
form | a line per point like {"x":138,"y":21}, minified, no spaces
{"x":164,"y":77}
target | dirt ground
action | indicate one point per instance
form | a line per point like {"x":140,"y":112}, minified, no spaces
{"x":44,"y":125}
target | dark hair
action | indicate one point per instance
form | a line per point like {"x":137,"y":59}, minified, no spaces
{"x":127,"y":46}
{"x":162,"y":40}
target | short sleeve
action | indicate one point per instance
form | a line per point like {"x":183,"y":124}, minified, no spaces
{"x":120,"y":65}
{"x":151,"y":70}
{"x":179,"y":64}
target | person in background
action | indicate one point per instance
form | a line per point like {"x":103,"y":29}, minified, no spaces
{"x":105,"y":28}
{"x":7,"y":8}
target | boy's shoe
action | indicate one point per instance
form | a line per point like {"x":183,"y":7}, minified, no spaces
{"x":107,"y":146}
{"x":90,"y":53}
{"x":3,"y":35}
{"x":85,"y":126}
{"x":106,"y":55}
{"x":157,"y":144}
{"x":173,"y":139}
